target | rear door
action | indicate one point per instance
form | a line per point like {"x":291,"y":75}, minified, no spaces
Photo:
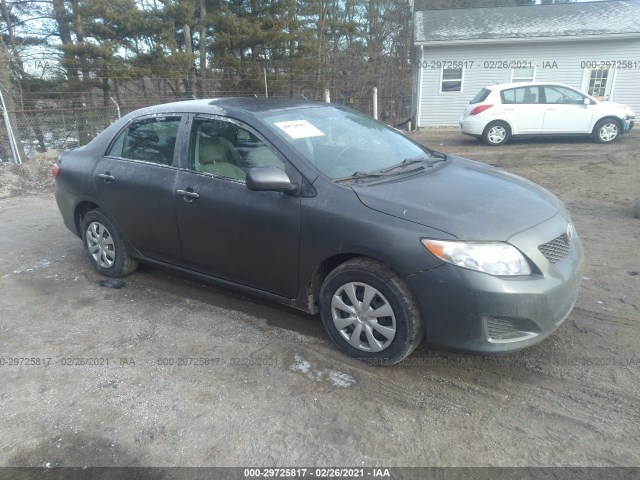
{"x":226,"y":230}
{"x":523,"y":109}
{"x":135,"y":182}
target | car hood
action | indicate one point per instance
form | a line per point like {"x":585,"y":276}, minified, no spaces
{"x":467,"y":199}
{"x":615,"y":106}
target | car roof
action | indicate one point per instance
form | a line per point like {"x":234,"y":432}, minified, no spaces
{"x":250,"y":105}
{"x":504,"y":86}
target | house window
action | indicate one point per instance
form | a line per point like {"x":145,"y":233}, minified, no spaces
{"x":599,"y":82}
{"x":451,"y":80}
{"x":523,"y":74}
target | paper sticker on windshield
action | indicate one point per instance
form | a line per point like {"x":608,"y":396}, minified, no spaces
{"x":299,"y":129}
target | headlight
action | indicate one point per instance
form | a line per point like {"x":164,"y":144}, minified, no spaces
{"x":494,"y":258}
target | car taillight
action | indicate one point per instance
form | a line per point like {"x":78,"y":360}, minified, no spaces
{"x":480,"y":109}
{"x":55,"y":169}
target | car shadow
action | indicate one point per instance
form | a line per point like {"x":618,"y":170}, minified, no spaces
{"x":275,"y":314}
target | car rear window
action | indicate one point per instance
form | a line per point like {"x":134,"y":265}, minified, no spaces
{"x":480,"y":96}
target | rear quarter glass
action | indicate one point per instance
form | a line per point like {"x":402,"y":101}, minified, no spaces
{"x":480,"y":96}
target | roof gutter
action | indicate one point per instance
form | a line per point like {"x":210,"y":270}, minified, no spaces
{"x":572,"y":38}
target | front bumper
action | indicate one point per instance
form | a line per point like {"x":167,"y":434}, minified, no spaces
{"x":628,"y":124}
{"x":469,"y":311}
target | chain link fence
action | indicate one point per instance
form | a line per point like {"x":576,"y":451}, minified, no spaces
{"x":59,"y":129}
{"x":41,"y":130}
{"x":5,"y":151}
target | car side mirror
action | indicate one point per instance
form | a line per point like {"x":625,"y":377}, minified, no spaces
{"x":268,"y":179}
{"x":586,"y":101}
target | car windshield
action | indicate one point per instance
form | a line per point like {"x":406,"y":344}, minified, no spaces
{"x":342,"y":143}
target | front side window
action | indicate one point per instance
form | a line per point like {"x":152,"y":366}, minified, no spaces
{"x":522,"y":95}
{"x":150,"y":140}
{"x":561,"y":95}
{"x":451,"y":80}
{"x":227,"y":150}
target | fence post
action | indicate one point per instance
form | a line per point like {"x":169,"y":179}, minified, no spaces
{"x":117,"y":106}
{"x":266,"y":86}
{"x":12,"y":139}
{"x":327,"y":96}
{"x":375,"y":103}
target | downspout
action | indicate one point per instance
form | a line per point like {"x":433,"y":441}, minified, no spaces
{"x":420,"y":75}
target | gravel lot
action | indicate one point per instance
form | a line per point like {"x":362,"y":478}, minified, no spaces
{"x":275,"y":391}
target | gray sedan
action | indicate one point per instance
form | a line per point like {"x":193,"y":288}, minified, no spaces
{"x":326,"y":210}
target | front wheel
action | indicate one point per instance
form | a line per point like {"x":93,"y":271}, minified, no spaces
{"x":496,"y":133}
{"x":104,"y":246}
{"x":369,"y":312}
{"x":606,"y":131}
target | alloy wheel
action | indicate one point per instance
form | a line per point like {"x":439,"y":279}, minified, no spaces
{"x":497,"y":134}
{"x":608,"y":131}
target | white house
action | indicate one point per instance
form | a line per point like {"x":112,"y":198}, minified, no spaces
{"x":593,"y":46}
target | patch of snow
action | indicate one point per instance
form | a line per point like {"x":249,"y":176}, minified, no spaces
{"x":335,"y":378}
{"x":301,"y":365}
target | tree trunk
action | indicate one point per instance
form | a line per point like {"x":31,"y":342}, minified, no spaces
{"x":202,"y":79}
{"x":188,"y":47}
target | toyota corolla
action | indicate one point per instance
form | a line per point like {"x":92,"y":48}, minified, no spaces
{"x":327,"y":210}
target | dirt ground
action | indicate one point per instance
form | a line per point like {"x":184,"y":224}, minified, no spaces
{"x":273,"y":391}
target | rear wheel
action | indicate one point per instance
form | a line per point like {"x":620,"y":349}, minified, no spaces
{"x":370,"y":313}
{"x":104,"y":245}
{"x":496,"y":133}
{"x":606,"y":131}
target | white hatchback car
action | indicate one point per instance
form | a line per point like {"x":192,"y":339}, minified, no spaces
{"x":499,"y":112}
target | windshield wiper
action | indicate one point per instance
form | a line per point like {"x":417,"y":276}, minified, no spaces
{"x":405,"y":163}
{"x":397,"y":169}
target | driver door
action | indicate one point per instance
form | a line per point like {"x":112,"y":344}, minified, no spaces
{"x":227,"y":230}
{"x":565,"y":111}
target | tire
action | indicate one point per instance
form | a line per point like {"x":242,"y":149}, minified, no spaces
{"x":496,"y":134}
{"x":383,"y":340}
{"x":104,"y":245}
{"x":606,"y":131}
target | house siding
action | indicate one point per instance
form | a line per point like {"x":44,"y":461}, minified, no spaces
{"x":442,"y":109}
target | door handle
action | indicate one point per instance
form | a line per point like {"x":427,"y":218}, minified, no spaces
{"x":188,"y":195}
{"x":107,"y":177}
{"x":551,"y":109}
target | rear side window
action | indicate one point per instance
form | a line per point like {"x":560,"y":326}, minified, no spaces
{"x":522,"y":95}
{"x":150,"y":140}
{"x":481,"y":96}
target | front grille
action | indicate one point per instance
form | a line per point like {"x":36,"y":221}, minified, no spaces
{"x":556,"y":249}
